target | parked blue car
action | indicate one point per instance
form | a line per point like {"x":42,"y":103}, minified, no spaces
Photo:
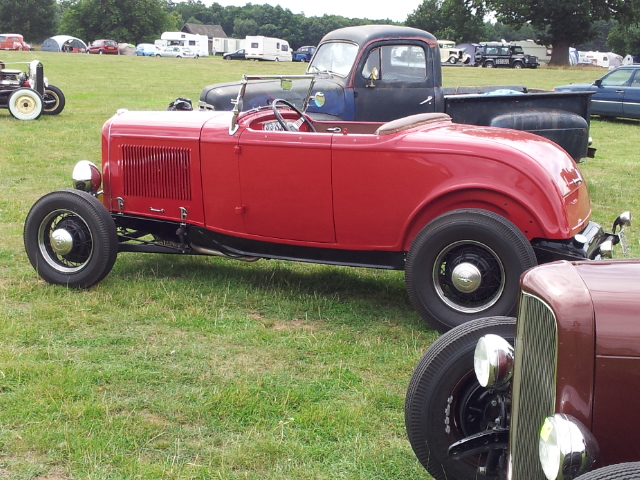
{"x":617,"y":94}
{"x":303,"y":54}
{"x":146,"y":50}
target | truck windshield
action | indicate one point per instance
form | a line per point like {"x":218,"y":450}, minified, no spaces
{"x":334,"y":57}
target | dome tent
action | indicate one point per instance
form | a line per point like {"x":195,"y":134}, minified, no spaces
{"x":64,"y":43}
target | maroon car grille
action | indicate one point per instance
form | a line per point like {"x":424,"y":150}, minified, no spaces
{"x":534,"y":385}
{"x":158,"y":172}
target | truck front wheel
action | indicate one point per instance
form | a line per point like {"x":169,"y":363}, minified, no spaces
{"x":466,"y":264}
{"x":70,"y":239}
{"x":518,"y":65}
{"x":445,"y":403}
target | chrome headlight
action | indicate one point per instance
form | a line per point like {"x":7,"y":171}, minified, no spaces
{"x":493,"y":361}
{"x":86,"y":177}
{"x":567,"y":448}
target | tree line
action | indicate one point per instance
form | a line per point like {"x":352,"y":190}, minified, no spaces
{"x":606,"y":24}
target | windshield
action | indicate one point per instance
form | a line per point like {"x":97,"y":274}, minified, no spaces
{"x":257,"y":92}
{"x":334,"y":57}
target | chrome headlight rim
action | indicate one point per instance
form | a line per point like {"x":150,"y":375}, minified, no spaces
{"x":566,"y":448}
{"x":87,"y":177}
{"x":493,"y":361}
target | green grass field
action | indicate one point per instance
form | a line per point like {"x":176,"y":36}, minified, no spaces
{"x":202,"y":368}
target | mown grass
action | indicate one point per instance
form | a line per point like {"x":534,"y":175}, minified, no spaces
{"x":200,"y":368}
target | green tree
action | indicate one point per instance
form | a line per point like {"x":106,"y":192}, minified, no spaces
{"x":35,"y":20}
{"x":456,"y":20}
{"x":131,"y":21}
{"x":564,"y":23}
{"x":625,"y":40}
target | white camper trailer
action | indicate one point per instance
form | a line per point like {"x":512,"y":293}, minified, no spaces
{"x":197,"y":43}
{"x":267,"y":48}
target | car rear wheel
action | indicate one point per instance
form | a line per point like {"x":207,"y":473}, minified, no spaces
{"x":54,"y":100}
{"x":452,"y":60}
{"x":489,"y":64}
{"x":25,"y":104}
{"x":466,"y":264}
{"x":445,"y":403}
{"x":70,"y":238}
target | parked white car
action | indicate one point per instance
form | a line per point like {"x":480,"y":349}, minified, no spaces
{"x":176,"y":52}
{"x":450,"y":54}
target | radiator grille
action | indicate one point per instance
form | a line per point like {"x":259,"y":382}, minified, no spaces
{"x":534,"y":385}
{"x":157,"y":172}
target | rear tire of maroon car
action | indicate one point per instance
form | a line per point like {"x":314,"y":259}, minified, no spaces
{"x":619,"y":471}
{"x":466,"y":264}
{"x":25,"y":104}
{"x":445,"y":403}
{"x":70,"y":238}
{"x":53,"y":100}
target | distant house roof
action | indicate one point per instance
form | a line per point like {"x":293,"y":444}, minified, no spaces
{"x":211,"y":31}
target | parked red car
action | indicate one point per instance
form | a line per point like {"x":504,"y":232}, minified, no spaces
{"x":103,"y":47}
{"x":550,"y":395}
{"x":13,"y":41}
{"x":464,"y":210}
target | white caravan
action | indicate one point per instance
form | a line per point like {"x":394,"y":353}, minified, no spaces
{"x":267,"y":48}
{"x":197,"y":43}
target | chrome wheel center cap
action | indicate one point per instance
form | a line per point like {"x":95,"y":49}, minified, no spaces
{"x":466,"y":277}
{"x":61,"y":241}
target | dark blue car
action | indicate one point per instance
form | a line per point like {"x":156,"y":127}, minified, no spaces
{"x":617,"y":94}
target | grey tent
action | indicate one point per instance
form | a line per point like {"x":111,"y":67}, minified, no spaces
{"x":64,"y":43}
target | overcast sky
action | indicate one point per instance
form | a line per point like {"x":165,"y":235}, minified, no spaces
{"x":373,"y":10}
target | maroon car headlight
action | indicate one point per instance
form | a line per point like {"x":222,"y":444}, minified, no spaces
{"x":86,"y":177}
{"x":567,"y":448}
{"x":493,"y":361}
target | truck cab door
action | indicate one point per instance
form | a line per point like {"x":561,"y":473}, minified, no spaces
{"x":394,"y":81}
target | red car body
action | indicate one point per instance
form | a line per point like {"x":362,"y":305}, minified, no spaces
{"x":464,"y":210}
{"x":347,"y":191}
{"x":103,"y":47}
{"x":13,"y":41}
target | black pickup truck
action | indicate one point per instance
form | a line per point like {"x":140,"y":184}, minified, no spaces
{"x":381,"y":72}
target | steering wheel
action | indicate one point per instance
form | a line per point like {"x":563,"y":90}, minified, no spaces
{"x":274,"y":106}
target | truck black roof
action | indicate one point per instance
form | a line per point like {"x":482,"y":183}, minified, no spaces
{"x":366,"y":33}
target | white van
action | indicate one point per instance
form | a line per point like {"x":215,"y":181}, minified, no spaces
{"x":197,"y":43}
{"x":267,"y":48}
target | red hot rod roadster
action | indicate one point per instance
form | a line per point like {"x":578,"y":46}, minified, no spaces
{"x":462,"y":209}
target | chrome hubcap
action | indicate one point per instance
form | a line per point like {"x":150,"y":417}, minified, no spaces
{"x":466,"y":277}
{"x":61,"y":241}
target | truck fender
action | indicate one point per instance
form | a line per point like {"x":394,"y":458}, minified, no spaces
{"x":564,"y":128}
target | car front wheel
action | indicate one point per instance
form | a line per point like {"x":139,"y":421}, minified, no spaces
{"x":517,"y":65}
{"x":70,"y":238}
{"x":445,"y":403}
{"x":466,"y":264}
{"x":54,"y":100}
{"x":25,"y":104}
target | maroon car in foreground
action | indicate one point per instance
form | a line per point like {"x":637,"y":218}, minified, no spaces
{"x":561,"y":402}
{"x":462,"y":209}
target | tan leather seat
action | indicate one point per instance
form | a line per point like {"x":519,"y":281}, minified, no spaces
{"x":411,"y":121}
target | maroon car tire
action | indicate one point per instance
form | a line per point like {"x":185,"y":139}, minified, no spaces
{"x":445,"y":403}
{"x":619,"y":471}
